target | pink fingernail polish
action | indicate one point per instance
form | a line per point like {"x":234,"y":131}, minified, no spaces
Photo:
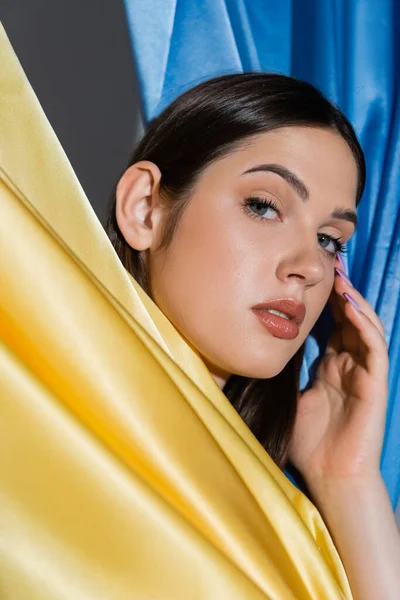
{"x":351,"y":300}
{"x":343,"y":266}
{"x":343,"y":276}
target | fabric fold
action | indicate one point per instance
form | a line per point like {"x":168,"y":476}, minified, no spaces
{"x":124,"y":470}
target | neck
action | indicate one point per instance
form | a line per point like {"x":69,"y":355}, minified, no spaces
{"x":219,"y":375}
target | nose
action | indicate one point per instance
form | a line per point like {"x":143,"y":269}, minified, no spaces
{"x":304,"y":262}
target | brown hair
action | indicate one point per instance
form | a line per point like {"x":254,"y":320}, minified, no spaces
{"x":200,"y":126}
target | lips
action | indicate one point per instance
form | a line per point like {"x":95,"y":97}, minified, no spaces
{"x":284,"y":327}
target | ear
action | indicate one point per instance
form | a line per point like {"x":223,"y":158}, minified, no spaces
{"x":138,"y":210}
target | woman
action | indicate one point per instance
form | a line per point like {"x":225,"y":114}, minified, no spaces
{"x":128,"y":472}
{"x":181,"y":226}
{"x":233,"y":216}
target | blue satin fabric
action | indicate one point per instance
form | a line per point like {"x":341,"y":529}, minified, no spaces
{"x":351,"y":51}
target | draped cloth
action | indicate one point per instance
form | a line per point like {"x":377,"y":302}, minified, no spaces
{"x":124,"y":470}
{"x":351,"y":51}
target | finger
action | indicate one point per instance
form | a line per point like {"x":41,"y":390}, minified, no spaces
{"x":345,"y":336}
{"x":373,"y":343}
{"x":336,"y":303}
{"x":344,"y":332}
{"x":335,"y":344}
{"x":343,"y":285}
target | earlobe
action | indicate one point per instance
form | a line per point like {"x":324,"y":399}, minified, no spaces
{"x":137,"y":204}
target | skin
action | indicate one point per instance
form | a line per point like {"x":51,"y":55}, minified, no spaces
{"x":242,"y":261}
{"x":223,"y":261}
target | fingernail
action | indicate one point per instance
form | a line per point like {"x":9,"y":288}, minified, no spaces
{"x":343,"y":276}
{"x":352,"y":301}
{"x":343,"y":266}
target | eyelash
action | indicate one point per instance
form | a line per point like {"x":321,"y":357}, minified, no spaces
{"x":340,"y":246}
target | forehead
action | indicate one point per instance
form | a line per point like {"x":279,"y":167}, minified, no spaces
{"x":319,"y":157}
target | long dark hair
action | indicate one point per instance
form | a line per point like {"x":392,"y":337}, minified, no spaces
{"x":200,"y":126}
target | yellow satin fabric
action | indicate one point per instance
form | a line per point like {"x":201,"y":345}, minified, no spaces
{"x":124,"y":471}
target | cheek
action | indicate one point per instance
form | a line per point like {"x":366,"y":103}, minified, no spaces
{"x":218,"y":266}
{"x":219,"y":259}
{"x":202,"y":268}
{"x":210,"y":277}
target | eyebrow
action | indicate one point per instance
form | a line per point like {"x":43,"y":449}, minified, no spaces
{"x":301,"y":189}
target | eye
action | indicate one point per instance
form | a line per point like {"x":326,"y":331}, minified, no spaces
{"x":331,"y":244}
{"x":260,"y":208}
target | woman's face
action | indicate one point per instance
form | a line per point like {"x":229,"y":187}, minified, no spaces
{"x":231,"y":252}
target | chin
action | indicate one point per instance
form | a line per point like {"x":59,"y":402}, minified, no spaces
{"x":252,"y":360}
{"x":261,"y":372}
{"x":259,"y":367}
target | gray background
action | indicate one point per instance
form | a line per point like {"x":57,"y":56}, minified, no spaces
{"x":77,"y":56}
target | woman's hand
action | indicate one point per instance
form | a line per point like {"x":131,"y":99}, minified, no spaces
{"x":337,"y":444}
{"x":340,"y":421}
